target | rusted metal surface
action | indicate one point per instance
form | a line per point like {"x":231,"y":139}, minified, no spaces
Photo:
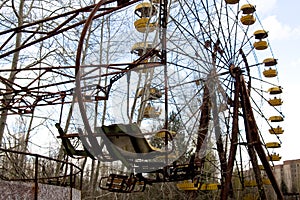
{"x":225,"y":190}
{"x":255,"y":145}
{"x":68,"y":22}
{"x":24,"y":96}
{"x":204,"y":119}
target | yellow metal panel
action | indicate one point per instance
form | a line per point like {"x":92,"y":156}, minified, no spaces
{"x":261,"y":45}
{"x":274,"y":157}
{"x":275,"y":102}
{"x":260,"y":34}
{"x":248,"y":20}
{"x":270,"y":62}
{"x":270,"y":73}
{"x":275,"y":90}
{"x":248,"y":9}
{"x":145,"y":9}
{"x":273,"y":145}
{"x":209,"y":186}
{"x":142,"y":25}
{"x":279,"y":129}
{"x":250,"y":183}
{"x":187,"y":185}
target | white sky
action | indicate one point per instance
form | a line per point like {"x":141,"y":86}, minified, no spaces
{"x":281,"y":19}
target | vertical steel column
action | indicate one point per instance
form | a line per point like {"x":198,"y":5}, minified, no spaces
{"x":251,"y":139}
{"x":254,"y":142}
{"x":71,"y":182}
{"x":36,"y":184}
{"x":219,"y":142}
{"x":233,"y":147}
{"x":162,"y":34}
{"x":204,"y":120}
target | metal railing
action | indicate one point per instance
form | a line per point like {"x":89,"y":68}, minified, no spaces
{"x":28,"y":167}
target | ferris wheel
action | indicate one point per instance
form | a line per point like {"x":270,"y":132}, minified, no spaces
{"x":200,"y":63}
{"x":157,"y":79}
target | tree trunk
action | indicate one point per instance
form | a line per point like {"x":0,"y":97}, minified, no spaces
{"x":14,"y":65}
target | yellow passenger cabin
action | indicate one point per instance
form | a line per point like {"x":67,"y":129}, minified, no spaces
{"x":144,"y":25}
{"x":260,"y":45}
{"x":274,"y":157}
{"x":248,"y":9}
{"x":209,"y":186}
{"x":188,"y":185}
{"x":252,"y":183}
{"x":275,"y":101}
{"x":277,"y":130}
{"x":141,"y":48}
{"x":273,"y":145}
{"x":260,"y":34}
{"x":261,"y":167}
{"x":275,"y":90}
{"x":266,"y":181}
{"x":248,"y":20}
{"x":276,"y":118}
{"x":145,"y":9}
{"x":151,"y":112}
{"x":154,"y":93}
{"x":270,"y":62}
{"x":270,"y":73}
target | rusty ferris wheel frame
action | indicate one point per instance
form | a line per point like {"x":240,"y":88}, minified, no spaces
{"x":14,"y":96}
{"x":19,"y":99}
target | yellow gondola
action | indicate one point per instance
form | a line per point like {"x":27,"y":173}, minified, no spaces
{"x":270,"y":73}
{"x":277,"y":130}
{"x":248,"y":9}
{"x":273,"y":145}
{"x":232,"y":1}
{"x":266,"y":181}
{"x":260,"y":34}
{"x":250,"y":183}
{"x":140,"y":48}
{"x":209,"y":186}
{"x":261,"y":167}
{"x":252,"y":196}
{"x":275,"y":90}
{"x":270,"y":62}
{"x":275,"y":102}
{"x":154,"y":93}
{"x":142,"y":25}
{"x":276,"y":119}
{"x":248,"y":20}
{"x":145,"y":10}
{"x":151,"y":112}
{"x":188,"y":185}
{"x":274,"y":157}
{"x":162,"y":134}
{"x":260,"y":45}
